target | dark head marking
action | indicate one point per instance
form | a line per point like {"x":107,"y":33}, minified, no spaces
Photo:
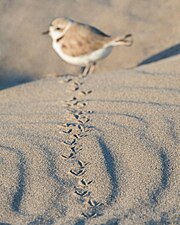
{"x":60,"y":38}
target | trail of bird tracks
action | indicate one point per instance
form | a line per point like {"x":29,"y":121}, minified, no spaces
{"x":101,"y":149}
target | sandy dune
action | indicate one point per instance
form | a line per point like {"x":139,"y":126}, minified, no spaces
{"x":96,"y":150}
{"x":99,"y":150}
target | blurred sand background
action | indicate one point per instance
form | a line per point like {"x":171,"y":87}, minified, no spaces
{"x":100,"y":150}
{"x":25,"y":54}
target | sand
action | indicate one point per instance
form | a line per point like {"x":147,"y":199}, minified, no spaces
{"x":106,"y":153}
{"x":95,"y":150}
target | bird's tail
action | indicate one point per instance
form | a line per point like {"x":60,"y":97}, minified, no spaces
{"x":127,"y":40}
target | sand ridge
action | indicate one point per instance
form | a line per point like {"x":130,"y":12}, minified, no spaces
{"x":95,"y":150}
{"x":91,"y":150}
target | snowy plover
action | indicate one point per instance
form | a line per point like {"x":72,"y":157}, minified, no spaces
{"x":82,"y":44}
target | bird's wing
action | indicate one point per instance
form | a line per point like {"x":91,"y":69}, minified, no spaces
{"x":82,"y":39}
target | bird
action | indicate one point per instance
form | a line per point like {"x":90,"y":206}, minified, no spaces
{"x":82,"y":44}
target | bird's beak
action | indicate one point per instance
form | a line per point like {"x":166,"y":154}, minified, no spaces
{"x":46,"y":32}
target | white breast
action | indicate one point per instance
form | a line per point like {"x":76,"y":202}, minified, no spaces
{"x":84,"y":59}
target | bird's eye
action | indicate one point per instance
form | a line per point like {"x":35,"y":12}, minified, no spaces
{"x":58,"y":28}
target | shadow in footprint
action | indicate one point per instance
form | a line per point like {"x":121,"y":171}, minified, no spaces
{"x":40,"y":220}
{"x":112,"y":222}
{"x":151,"y":222}
{"x":168,"y":52}
{"x":163,"y":221}
{"x":80,"y":222}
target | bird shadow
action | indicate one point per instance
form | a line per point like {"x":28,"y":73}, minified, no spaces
{"x":166,"y":53}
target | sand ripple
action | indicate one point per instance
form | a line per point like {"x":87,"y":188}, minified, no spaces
{"x":96,"y":150}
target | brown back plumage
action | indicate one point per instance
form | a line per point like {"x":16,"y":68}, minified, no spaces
{"x":81,"y":39}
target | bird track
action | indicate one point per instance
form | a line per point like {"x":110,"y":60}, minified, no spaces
{"x":78,"y":127}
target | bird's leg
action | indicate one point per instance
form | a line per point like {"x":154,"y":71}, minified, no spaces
{"x":85,"y":70}
{"x":88,"y":69}
{"x":92,"y":67}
